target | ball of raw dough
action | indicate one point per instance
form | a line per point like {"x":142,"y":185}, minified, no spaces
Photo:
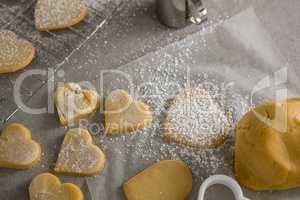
{"x":267,"y":147}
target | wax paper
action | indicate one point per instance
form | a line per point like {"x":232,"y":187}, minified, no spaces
{"x":235,"y":59}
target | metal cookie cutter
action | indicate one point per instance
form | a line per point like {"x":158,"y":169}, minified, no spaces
{"x":179,"y":13}
{"x":223,"y":180}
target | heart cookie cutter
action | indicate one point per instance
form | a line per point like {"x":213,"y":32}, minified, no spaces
{"x":223,"y":180}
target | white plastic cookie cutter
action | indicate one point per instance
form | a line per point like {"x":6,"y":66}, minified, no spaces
{"x":223,"y":180}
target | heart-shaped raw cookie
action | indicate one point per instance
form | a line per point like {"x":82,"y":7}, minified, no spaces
{"x":123,"y":114}
{"x":165,"y":180}
{"x":74,"y":103}
{"x":196,"y":120}
{"x":15,"y":53}
{"x":17,"y":149}
{"x":78,"y":155}
{"x":58,"y":14}
{"x":48,"y":187}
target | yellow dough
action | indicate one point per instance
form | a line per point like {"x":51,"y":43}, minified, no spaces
{"x":15,"y":53}
{"x":58,"y":14}
{"x":79,"y":156}
{"x":17,"y":149}
{"x":165,"y":180}
{"x":48,"y":187}
{"x":267,"y":153}
{"x":73,"y":103}
{"x":123,"y":114}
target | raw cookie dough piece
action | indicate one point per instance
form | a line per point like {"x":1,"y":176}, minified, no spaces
{"x":195,"y":120}
{"x":58,"y":14}
{"x":15,"y":53}
{"x":165,"y":180}
{"x":123,"y":114}
{"x":74,"y":103}
{"x":48,"y":187}
{"x":267,"y":155}
{"x":78,"y":155}
{"x":17,"y":149}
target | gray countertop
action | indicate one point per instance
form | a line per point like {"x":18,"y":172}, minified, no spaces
{"x":127,"y":34}
{"x":134,"y":31}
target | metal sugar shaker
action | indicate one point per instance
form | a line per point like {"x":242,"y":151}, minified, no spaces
{"x":179,"y":13}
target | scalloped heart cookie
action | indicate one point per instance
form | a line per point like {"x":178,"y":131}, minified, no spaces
{"x":165,"y":180}
{"x":15,"y":53}
{"x":58,"y":14}
{"x":123,"y":114}
{"x":48,"y":187}
{"x":17,"y":149}
{"x":78,"y":154}
{"x":73,"y":103}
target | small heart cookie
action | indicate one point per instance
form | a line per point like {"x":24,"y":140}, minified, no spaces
{"x":58,"y":14}
{"x":48,"y":187}
{"x":165,"y":180}
{"x":15,"y":53}
{"x":78,"y":155}
{"x":17,"y":149}
{"x":123,"y":114}
{"x":74,"y":103}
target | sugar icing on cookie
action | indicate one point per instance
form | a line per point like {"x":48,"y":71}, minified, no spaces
{"x":58,"y":14}
{"x":78,"y":155}
{"x":73,"y":102}
{"x":15,"y":53}
{"x":195,"y":120}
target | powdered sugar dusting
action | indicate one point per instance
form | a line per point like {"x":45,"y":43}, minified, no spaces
{"x":157,"y":82}
{"x":57,"y":12}
{"x":13,"y":49}
{"x":77,"y":154}
{"x":196,"y":120}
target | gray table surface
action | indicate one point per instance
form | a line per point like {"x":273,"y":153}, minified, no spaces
{"x":132,"y":32}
